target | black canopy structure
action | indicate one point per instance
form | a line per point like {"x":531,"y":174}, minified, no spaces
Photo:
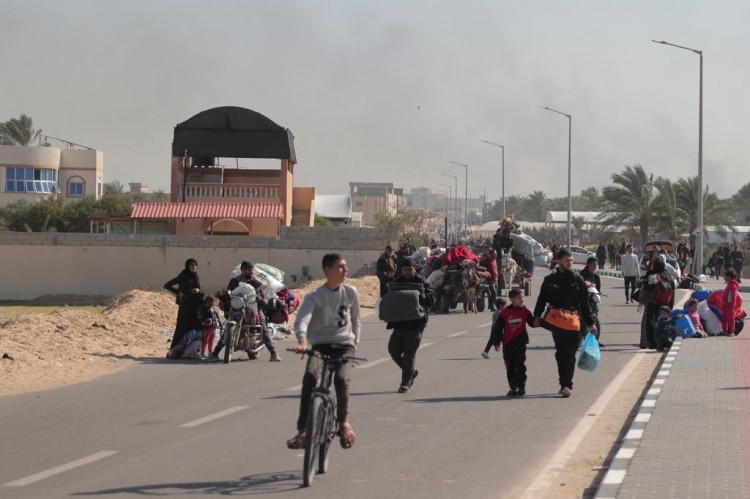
{"x":232,"y":132}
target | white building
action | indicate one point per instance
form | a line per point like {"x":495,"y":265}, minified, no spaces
{"x":32,"y":173}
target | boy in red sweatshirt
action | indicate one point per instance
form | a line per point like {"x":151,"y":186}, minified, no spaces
{"x":510,"y":330}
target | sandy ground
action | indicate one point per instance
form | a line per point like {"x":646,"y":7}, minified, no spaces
{"x":71,"y":345}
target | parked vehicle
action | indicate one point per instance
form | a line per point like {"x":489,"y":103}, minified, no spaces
{"x":580,"y":255}
{"x":243,"y":331}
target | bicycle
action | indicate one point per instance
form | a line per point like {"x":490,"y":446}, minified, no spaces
{"x":322,"y":424}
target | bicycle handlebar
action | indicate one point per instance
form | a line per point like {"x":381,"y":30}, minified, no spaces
{"x":310,"y":351}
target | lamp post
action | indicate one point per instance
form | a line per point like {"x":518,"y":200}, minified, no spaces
{"x":466,"y":194}
{"x":450,"y":193}
{"x":455,"y":193}
{"x":570,"y":135}
{"x":503,"y":170}
{"x":446,"y":195}
{"x":699,"y":231}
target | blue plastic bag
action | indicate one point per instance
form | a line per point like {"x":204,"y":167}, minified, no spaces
{"x":590,"y":355}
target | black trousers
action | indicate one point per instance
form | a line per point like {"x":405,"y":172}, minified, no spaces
{"x":341,"y":378}
{"x":629,"y":284}
{"x":648,"y":326}
{"x":492,"y":290}
{"x":403,"y":347}
{"x":566,"y":345}
{"x":514,"y":355}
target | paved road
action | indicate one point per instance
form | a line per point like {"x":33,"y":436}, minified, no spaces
{"x":190,"y":429}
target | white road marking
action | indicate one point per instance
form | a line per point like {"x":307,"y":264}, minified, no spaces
{"x":212,"y":417}
{"x":373,"y":363}
{"x":643,"y":417}
{"x":558,"y":461}
{"x":649,"y":403}
{"x":625,"y":453}
{"x":660,"y":381}
{"x":654,"y":391}
{"x":614,"y":476}
{"x":294,"y":388}
{"x":425,"y":345}
{"x":60,"y":469}
{"x":484,"y":325}
{"x":453,"y":335}
{"x":634,"y":435}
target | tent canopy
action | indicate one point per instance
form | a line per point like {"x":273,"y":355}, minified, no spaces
{"x":232,"y":132}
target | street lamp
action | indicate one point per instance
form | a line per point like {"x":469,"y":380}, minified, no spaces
{"x":450,"y":193}
{"x":699,"y":235}
{"x":455,"y":193}
{"x":466,"y":194}
{"x":503,"y":170}
{"x":570,"y":135}
{"x":446,"y":195}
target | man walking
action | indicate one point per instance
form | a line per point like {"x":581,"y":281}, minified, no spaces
{"x":738,"y":260}
{"x":384,"y":268}
{"x":407,"y":335}
{"x":630,"y":272}
{"x":489,"y":261}
{"x":568,"y":314}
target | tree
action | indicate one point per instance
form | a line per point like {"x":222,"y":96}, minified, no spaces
{"x":18,"y":131}
{"x":321,"y":221}
{"x":578,"y":223}
{"x":716,"y":212}
{"x":591,"y":200}
{"x":538,"y":205}
{"x":412,"y":224}
{"x":670,"y":218}
{"x":741,"y":203}
{"x":114,"y":187}
{"x":629,"y":201}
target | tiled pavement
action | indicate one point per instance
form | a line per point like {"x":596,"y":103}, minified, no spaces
{"x":691,"y":437}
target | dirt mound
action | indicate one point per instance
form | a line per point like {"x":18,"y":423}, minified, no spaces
{"x":71,"y":345}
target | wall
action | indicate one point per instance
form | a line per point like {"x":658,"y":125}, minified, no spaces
{"x":86,"y":164}
{"x":37,"y":264}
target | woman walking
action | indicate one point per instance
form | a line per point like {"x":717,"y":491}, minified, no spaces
{"x":187,"y":290}
{"x":657,"y":290}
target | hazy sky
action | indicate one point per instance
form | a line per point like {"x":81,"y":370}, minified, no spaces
{"x":391,"y":91}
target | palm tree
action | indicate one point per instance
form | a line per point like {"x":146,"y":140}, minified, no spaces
{"x":591,"y":199}
{"x":741,"y":202}
{"x":18,"y":131}
{"x":629,"y":200}
{"x":578,"y":224}
{"x":538,"y":205}
{"x":716,"y":212}
{"x":670,"y":218}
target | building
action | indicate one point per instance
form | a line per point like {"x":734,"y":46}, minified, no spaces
{"x":33,"y":173}
{"x":138,"y":188}
{"x":210,"y":198}
{"x":371,"y":198}
{"x":336,"y":208}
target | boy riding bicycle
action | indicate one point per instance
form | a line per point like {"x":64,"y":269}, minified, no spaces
{"x":328,"y":322}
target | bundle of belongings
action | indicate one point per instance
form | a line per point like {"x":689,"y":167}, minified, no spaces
{"x":710,"y":306}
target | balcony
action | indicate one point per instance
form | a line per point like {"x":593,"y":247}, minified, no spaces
{"x":197,"y":191}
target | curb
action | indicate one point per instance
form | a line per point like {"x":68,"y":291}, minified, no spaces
{"x":610,"y":484}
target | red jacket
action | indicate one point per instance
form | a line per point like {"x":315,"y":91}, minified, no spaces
{"x":491,"y":265}
{"x":511,"y":324}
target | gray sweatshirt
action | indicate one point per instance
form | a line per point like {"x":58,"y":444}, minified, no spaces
{"x":329,"y":317}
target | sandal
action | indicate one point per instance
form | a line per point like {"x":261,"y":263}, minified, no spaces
{"x":297,"y":442}
{"x":347,"y":436}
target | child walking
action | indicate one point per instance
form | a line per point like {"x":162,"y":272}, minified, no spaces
{"x":211,"y":322}
{"x":510,"y":330}
{"x":499,"y":305}
{"x":730,"y":294}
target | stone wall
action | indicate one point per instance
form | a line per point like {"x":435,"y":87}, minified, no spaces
{"x":37,"y":264}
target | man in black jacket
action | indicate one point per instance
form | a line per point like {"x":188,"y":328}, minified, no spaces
{"x":384,"y":268}
{"x":589,"y":273}
{"x":565,"y":290}
{"x":738,"y":260}
{"x":407,"y":335}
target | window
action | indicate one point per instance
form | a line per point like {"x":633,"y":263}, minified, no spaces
{"x":76,"y":187}
{"x":31,"y":180}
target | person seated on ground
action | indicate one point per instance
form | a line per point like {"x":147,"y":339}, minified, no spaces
{"x":666,"y":331}
{"x":692,"y":306}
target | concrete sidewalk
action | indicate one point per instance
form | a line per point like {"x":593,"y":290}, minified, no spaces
{"x":691,"y":435}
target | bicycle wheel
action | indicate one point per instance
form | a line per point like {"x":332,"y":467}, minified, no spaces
{"x":312,"y":441}
{"x":331,"y":428}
